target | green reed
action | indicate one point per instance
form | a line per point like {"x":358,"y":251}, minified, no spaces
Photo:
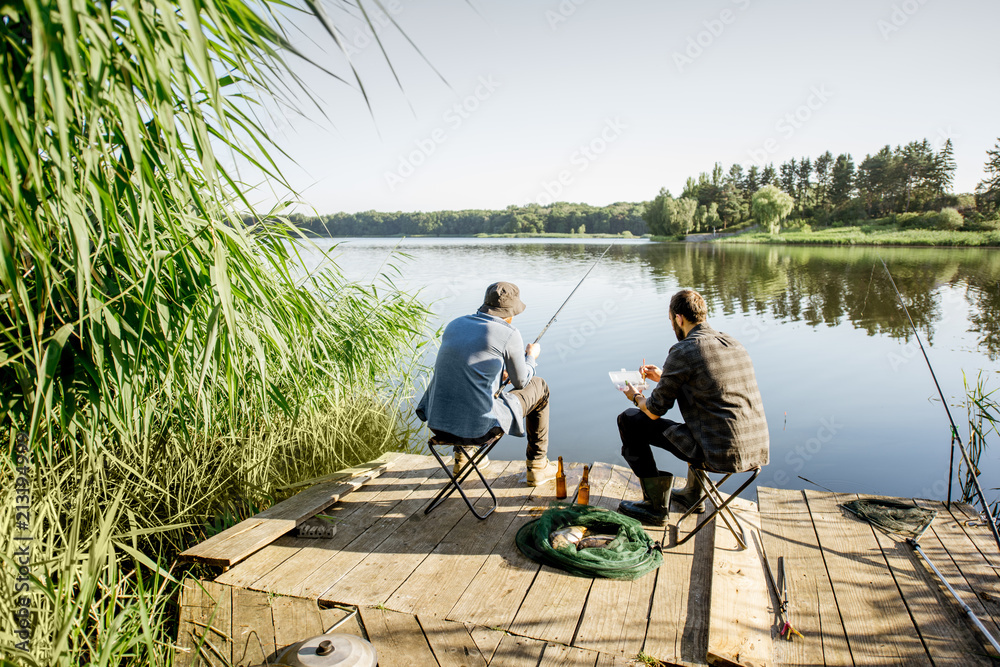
{"x":982,"y":415}
{"x":165,"y":354}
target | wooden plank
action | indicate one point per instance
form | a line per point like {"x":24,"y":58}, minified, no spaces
{"x":205,"y":627}
{"x":515,"y":651}
{"x":567,"y":656}
{"x":317,"y":566}
{"x":397,"y":638}
{"x":236,"y":543}
{"x":496,"y":592}
{"x":943,"y":627}
{"x":677,"y":631}
{"x":251,"y":569}
{"x":739,"y":627}
{"x":787,"y":532}
{"x":377,"y":576}
{"x":460,"y":555}
{"x":486,"y":639}
{"x":329,"y":616}
{"x":962,"y":565}
{"x":295,"y":619}
{"x":389,"y":458}
{"x":253,"y":628}
{"x":616,"y":614}
{"x":451,"y":643}
{"x":878,"y":625}
{"x":981,"y":535}
{"x":246,"y":572}
{"x":612,"y":660}
{"x":190,"y":603}
{"x":553,"y":605}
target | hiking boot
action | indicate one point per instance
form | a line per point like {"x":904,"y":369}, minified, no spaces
{"x":461,"y":459}
{"x":690,"y":494}
{"x":538,"y":476}
{"x":654,"y":509}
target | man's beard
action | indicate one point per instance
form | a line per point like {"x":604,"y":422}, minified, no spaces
{"x":677,"y":330}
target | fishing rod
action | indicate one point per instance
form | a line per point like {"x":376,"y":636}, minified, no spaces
{"x":954,"y":430}
{"x":571,"y":294}
{"x":546,"y":328}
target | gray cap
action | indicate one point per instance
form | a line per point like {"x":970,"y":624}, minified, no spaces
{"x":502,"y":300}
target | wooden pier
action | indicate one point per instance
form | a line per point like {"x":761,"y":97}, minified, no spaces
{"x":447,"y":589}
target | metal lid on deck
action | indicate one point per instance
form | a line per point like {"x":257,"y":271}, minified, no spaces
{"x":331,"y":650}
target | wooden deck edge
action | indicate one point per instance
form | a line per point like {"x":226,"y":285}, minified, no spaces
{"x":274,"y":528}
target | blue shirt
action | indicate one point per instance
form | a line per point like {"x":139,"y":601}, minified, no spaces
{"x":475,"y":349}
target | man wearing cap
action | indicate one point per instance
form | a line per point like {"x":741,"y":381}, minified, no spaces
{"x":711,"y":378}
{"x":462,"y":403}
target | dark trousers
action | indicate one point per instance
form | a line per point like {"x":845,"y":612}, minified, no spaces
{"x":639,"y":435}
{"x":534,"y":399}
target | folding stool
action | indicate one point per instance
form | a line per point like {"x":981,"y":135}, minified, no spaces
{"x":475,"y":454}
{"x":710,"y":491}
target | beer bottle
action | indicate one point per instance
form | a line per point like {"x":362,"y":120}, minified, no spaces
{"x":560,"y":481}
{"x":583,"y":493}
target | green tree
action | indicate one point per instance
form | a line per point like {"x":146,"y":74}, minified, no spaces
{"x":682,"y":215}
{"x":732,"y":206}
{"x":842,"y":180}
{"x":944,"y":168}
{"x":768,"y":176}
{"x":787,"y":178}
{"x":657,"y":215}
{"x":771,"y":206}
{"x":823,"y":168}
{"x":988,"y":190}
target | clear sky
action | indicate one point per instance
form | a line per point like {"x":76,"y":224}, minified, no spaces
{"x":597,"y":101}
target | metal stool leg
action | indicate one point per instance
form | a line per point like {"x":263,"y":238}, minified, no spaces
{"x":455,"y":481}
{"x":711,"y":492}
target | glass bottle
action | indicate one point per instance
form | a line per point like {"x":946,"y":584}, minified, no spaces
{"x":560,"y":481}
{"x":583,"y":493}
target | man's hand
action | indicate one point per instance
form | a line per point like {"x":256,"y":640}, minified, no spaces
{"x":533,"y":350}
{"x":650,"y":372}
{"x":631,"y":392}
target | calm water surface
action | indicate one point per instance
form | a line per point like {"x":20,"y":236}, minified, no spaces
{"x":849,"y":400}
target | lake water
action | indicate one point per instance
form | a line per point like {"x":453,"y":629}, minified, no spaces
{"x":850,"y":402}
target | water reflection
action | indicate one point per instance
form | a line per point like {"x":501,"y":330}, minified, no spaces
{"x":831,"y":286}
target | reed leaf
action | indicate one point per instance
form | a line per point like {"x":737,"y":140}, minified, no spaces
{"x":165,"y":355}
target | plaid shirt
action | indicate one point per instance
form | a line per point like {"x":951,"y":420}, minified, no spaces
{"x":710,"y":376}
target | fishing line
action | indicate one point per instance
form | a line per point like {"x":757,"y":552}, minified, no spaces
{"x":954,"y":430}
{"x":505,"y":382}
{"x":871,"y":278}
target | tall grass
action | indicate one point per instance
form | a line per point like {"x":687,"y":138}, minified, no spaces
{"x":163,"y":353}
{"x":983,"y":417}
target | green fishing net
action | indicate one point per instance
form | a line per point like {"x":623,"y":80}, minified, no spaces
{"x":629,"y":556}
{"x":892,"y":516}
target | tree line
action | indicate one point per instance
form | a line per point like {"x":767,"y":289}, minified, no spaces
{"x":828,"y":190}
{"x":557,"y":218}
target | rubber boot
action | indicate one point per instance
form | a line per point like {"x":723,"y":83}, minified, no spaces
{"x":690,"y":493}
{"x":654,"y":509}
